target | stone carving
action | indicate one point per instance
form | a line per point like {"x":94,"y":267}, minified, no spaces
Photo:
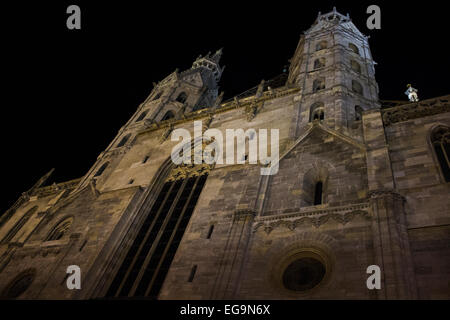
{"x":315,"y":221}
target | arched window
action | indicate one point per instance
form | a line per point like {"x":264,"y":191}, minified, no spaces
{"x":319,"y":63}
{"x":317,"y":112}
{"x":148,"y":258}
{"x":102,"y":168}
{"x":357,"y":87}
{"x":354,"y":48}
{"x":60,"y":229}
{"x":318,"y":84}
{"x":19,"y":225}
{"x":440,"y":138}
{"x":358,"y":113}
{"x":182,"y":97}
{"x":169,"y":115}
{"x":314,"y":186}
{"x":158,"y":95}
{"x":321,"y":45}
{"x":318,"y":193}
{"x":19,"y":284}
{"x":124,"y":140}
{"x":355,"y":66}
{"x":142,"y":116}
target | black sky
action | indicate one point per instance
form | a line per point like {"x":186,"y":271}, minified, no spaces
{"x":66,"y":93}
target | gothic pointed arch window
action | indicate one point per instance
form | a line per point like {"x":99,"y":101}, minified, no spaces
{"x":314,"y":187}
{"x":318,"y":84}
{"x":440,"y":139}
{"x":321,"y":45}
{"x":169,"y":115}
{"x":19,"y":284}
{"x":124,"y":140}
{"x":354,"y":48}
{"x":166,"y":212}
{"x":357,"y":87}
{"x":319,"y":63}
{"x":142,"y":116}
{"x":102,"y":168}
{"x":182,"y":97}
{"x":60,"y":229}
{"x":19,"y":224}
{"x":317,"y":112}
{"x":355,"y":66}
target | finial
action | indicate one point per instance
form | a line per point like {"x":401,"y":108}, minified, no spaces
{"x":334,"y":9}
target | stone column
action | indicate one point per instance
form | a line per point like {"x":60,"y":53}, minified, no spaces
{"x":232,"y":262}
{"x":391,"y":246}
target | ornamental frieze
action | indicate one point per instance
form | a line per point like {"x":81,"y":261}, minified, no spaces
{"x":311,"y":220}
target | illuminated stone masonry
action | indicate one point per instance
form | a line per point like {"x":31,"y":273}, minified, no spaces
{"x":360,"y":182}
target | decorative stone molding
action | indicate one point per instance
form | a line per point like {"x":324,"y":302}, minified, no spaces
{"x":117,"y":151}
{"x":416,"y":110}
{"x":386,"y":192}
{"x":342,"y":218}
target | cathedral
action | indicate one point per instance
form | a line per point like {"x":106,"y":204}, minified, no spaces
{"x":360,"y":182}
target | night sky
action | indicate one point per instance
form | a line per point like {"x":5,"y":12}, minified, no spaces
{"x":66,"y":93}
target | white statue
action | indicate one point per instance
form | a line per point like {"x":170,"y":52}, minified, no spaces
{"x":412,"y":94}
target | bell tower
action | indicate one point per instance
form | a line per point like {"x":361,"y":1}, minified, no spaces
{"x":334,"y":69}
{"x":179,"y":93}
{"x":187,"y":91}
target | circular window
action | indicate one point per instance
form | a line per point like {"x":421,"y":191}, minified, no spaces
{"x":303,"y":274}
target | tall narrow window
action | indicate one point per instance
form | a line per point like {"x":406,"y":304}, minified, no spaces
{"x":440,"y":138}
{"x":147,"y":261}
{"x":192,"y":274}
{"x":182,"y":97}
{"x":59,"y":230}
{"x":102,"y":168}
{"x":142,"y":116}
{"x":124,"y":140}
{"x":358,"y":113}
{"x":10,"y":235}
{"x":318,"y":193}
{"x":210,"y":231}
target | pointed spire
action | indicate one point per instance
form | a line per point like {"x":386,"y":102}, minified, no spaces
{"x":42,"y":180}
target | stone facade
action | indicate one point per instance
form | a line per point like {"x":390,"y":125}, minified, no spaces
{"x":384,"y":197}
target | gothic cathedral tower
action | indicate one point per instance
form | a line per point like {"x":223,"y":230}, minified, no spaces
{"x":334,"y":68}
